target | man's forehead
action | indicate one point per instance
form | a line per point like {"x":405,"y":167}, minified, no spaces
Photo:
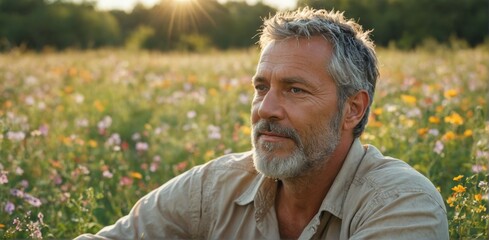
{"x":302,"y":52}
{"x":299,"y":42}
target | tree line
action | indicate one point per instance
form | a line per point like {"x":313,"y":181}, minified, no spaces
{"x":203,"y":24}
{"x":408,"y":23}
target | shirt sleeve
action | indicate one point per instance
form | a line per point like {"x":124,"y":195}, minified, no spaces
{"x":403,"y":215}
{"x":169,"y":212}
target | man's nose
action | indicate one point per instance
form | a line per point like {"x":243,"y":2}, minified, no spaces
{"x":271,"y":107}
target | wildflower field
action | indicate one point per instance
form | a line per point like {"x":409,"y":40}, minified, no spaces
{"x":83,"y":135}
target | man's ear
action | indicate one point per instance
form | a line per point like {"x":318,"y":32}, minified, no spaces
{"x":354,"y":109}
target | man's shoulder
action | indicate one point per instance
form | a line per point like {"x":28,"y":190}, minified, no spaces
{"x":387,"y":177}
{"x":385,"y":172}
{"x":389,"y":192}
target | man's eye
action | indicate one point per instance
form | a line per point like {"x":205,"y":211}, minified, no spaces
{"x":296,"y":90}
{"x":260,"y":88}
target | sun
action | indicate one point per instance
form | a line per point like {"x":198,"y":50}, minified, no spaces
{"x":186,"y":15}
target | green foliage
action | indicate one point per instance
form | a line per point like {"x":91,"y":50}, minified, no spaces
{"x":138,"y":38}
{"x":60,"y":25}
{"x":409,"y":22}
{"x":194,"y":43}
{"x":84,"y":135}
{"x":206,"y":24}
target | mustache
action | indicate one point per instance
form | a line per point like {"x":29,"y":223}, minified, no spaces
{"x":275,"y":128}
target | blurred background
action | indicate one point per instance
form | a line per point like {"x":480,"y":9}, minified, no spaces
{"x":199,"y":25}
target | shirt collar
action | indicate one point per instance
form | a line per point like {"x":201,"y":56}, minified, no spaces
{"x":333,"y":202}
{"x":262,"y":193}
{"x":249,"y":195}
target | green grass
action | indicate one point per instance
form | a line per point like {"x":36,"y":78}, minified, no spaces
{"x":89,"y":133}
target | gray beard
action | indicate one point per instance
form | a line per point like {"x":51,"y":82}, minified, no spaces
{"x":307,"y":156}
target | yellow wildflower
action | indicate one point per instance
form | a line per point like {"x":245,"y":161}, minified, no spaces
{"x":408,"y":99}
{"x":378,"y":111}
{"x":99,"y":106}
{"x":2,"y":226}
{"x":68,"y":89}
{"x":449,"y":136}
{"x":66,"y":140}
{"x":209,"y":154}
{"x":165,"y":84}
{"x":213,"y":92}
{"x":457,"y":178}
{"x":450,"y":93}
{"x":480,"y":209}
{"x":86,"y":76}
{"x":468,"y":133}
{"x":439,"y":108}
{"x":372,"y":122}
{"x":192,"y":78}
{"x":56,"y":164}
{"x":136,"y":175}
{"x":246,"y":130}
{"x":454,"y":118}
{"x":451,"y":200}
{"x":92,"y":143}
{"x":478,"y":197}
{"x":434,"y":119}
{"x":422,"y":131}
{"x":459,"y":189}
{"x":72,"y":71}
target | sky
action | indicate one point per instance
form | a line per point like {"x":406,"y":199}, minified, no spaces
{"x":129,"y":4}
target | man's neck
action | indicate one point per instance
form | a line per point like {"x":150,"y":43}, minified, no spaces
{"x":298,"y":200}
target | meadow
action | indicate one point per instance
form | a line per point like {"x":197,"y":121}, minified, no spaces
{"x":83,"y":135}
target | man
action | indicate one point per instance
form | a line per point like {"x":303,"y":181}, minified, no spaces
{"x":308,"y":176}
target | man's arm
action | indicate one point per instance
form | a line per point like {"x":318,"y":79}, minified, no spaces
{"x":167,"y":212}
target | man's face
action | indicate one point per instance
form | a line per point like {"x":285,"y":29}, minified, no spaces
{"x":295,"y":119}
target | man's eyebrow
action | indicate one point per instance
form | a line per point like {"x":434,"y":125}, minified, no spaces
{"x":256,"y":79}
{"x":285,"y":80}
{"x":292,"y":80}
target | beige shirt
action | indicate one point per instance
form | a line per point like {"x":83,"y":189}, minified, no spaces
{"x":372,"y":197}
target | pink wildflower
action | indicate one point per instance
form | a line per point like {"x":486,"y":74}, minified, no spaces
{"x":153,"y":167}
{"x":19,"y":171}
{"x":438,"y":147}
{"x":32,"y":200}
{"x":9,"y":207}
{"x":214,"y":132}
{"x":125,"y":181}
{"x":142,"y":146}
{"x":107,"y":174}
{"x":24,"y":183}
{"x":3,"y":177}
{"x":18,"y":224}
{"x":17,"y":193}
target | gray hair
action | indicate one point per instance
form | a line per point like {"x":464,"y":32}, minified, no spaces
{"x":353,"y":64}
